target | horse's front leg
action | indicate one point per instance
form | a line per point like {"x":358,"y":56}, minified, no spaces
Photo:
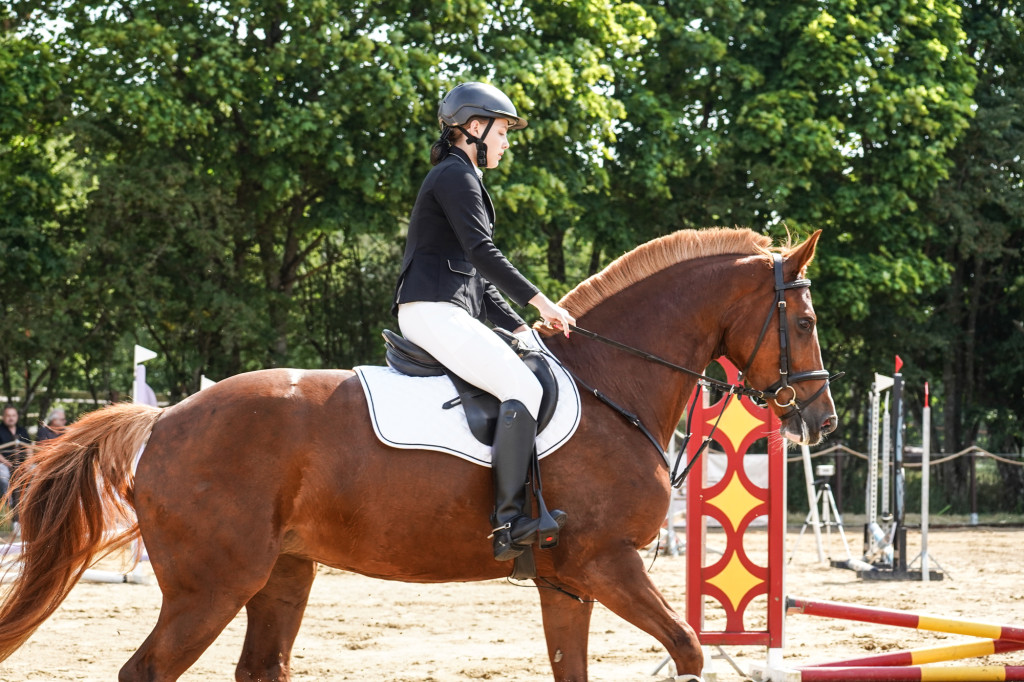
{"x":566,"y":630}
{"x":617,"y":579}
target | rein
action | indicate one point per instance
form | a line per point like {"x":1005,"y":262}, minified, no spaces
{"x":703,"y":378}
{"x":772,"y":393}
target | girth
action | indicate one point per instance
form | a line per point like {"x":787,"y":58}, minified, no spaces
{"x":480,"y":406}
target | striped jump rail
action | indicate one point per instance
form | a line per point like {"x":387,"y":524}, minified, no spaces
{"x":960,"y":673}
{"x":947,"y":652}
{"x":903,"y":666}
{"x":955,"y":626}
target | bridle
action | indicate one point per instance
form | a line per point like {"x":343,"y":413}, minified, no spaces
{"x":773,"y":393}
{"x":785,"y":379}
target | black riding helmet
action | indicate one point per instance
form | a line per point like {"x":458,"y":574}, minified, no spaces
{"x":467,"y":100}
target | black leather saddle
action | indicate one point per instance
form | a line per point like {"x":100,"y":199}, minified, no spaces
{"x":481,"y":407}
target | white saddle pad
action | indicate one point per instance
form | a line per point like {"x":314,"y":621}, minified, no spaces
{"x":406,"y":411}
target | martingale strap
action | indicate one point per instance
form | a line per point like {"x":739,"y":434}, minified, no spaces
{"x":676,"y":477}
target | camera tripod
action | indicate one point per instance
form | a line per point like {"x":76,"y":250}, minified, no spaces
{"x":828,"y":517}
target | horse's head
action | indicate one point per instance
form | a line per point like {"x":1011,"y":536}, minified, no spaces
{"x":775,"y":340}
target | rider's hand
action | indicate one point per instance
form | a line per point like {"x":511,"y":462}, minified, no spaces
{"x":553,"y":314}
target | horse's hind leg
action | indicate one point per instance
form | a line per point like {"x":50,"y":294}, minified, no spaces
{"x":205,"y":578}
{"x":274,"y":615}
{"x":566,"y":630}
{"x":192,"y":614}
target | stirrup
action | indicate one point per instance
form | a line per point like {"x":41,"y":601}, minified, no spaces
{"x":543,"y":530}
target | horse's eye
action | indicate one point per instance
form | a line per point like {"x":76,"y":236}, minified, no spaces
{"x":806,"y":324}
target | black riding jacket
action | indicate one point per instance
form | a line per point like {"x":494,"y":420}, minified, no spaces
{"x":450,"y":255}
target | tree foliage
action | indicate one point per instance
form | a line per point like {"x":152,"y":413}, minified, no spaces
{"x":228,"y":183}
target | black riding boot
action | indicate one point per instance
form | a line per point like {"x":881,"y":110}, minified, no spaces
{"x":511,"y":457}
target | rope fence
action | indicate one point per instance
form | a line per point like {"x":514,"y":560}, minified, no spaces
{"x":971,"y":450}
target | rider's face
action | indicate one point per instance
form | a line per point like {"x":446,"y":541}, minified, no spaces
{"x":496,"y":140}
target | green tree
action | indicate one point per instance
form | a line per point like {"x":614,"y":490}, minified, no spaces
{"x":789,"y":116}
{"x":557,"y":62}
{"x":976,"y":329}
{"x":254,"y":161}
{"x":228,"y":183}
{"x":54,"y":324}
{"x":230,"y":141}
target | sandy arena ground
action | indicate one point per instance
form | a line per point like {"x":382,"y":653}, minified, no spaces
{"x":357,"y":628}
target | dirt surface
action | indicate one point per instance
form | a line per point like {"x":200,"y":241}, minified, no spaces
{"x":358,"y":628}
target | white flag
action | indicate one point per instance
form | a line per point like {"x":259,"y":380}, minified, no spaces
{"x":205,"y":383}
{"x":143,"y":354}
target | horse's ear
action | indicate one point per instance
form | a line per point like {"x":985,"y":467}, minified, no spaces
{"x":800,"y":256}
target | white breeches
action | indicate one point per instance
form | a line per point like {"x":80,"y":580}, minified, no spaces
{"x":467,"y":347}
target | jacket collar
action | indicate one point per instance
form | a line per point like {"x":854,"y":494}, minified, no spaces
{"x":455,"y":151}
{"x":461,"y":155}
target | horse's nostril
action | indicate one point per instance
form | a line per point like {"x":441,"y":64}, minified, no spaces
{"x":830,"y":424}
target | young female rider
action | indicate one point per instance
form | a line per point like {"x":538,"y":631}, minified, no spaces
{"x":450,"y":277}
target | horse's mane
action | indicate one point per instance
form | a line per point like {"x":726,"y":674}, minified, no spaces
{"x":656,"y":255}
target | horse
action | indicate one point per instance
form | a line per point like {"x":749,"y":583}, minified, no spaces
{"x":244,"y":488}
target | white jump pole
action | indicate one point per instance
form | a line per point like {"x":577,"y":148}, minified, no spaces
{"x":926,"y":457}
{"x":812,"y":501}
{"x":671,"y":546}
{"x":886,"y":461}
{"x":873,"y":536}
{"x":871,"y":503}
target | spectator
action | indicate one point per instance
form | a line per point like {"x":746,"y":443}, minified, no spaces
{"x":13,"y":440}
{"x":54,"y":426}
{"x":5,"y":475}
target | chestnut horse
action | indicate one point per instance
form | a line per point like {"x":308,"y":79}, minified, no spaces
{"x":244,"y":488}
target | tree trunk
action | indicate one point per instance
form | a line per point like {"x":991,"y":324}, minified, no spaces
{"x":953,"y":479}
{"x":595,"y":259}
{"x":556,"y":255}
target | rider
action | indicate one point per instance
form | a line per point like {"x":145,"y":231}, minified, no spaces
{"x":448,"y":287}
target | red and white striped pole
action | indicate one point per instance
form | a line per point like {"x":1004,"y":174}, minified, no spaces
{"x":904,"y":619}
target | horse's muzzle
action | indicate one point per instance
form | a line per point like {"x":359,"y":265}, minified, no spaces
{"x":809,"y":429}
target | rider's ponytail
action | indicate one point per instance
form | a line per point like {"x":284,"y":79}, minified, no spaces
{"x":440,"y":149}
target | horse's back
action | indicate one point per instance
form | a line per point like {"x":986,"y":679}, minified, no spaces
{"x":252,"y":419}
{"x":288,"y":459}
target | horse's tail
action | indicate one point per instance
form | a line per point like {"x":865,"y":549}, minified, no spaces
{"x":74,"y":489}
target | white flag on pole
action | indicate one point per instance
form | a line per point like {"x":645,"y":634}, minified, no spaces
{"x":143,"y":354}
{"x":204,"y":382}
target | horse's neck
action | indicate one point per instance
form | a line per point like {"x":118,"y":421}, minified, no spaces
{"x":676,"y":314}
